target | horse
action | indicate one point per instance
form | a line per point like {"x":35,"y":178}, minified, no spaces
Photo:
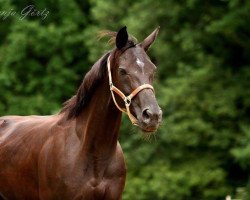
{"x":75,"y":154}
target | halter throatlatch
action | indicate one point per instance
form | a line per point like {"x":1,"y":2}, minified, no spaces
{"x":127,"y":99}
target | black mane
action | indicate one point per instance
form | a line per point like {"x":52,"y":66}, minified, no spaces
{"x":92,"y":79}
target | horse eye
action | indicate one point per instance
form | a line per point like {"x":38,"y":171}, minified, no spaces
{"x":122,"y":71}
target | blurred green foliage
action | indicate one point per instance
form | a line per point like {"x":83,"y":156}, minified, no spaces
{"x":202,"y":150}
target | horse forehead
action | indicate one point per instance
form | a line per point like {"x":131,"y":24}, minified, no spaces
{"x":139,"y":62}
{"x":137,"y":55}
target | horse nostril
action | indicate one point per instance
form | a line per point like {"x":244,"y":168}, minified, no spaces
{"x":149,"y":116}
{"x":146,"y":114}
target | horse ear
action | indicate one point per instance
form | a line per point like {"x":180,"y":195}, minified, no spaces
{"x":150,"y":39}
{"x":121,"y":38}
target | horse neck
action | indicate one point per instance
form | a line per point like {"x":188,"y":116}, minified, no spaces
{"x":98,"y":125}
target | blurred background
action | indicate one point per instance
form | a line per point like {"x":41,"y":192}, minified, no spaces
{"x":202,"y":149}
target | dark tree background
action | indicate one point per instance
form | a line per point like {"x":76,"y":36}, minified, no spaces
{"x":202,"y":150}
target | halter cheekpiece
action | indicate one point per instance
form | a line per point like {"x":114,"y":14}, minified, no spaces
{"x":127,"y":99}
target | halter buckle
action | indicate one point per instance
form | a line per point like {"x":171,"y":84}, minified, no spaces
{"x":127,"y":101}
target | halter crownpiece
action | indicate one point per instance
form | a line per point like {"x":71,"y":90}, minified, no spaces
{"x":127,"y":99}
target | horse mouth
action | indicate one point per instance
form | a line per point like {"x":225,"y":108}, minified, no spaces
{"x":149,"y":130}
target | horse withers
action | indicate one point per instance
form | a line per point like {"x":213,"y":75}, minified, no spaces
{"x":75,"y":154}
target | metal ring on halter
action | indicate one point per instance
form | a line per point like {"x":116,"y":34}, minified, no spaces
{"x":127,"y":99}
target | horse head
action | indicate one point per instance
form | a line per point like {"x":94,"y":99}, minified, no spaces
{"x":131,"y":75}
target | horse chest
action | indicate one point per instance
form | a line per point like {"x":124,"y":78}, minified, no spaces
{"x":83,"y":178}
{"x":97,"y":190}
{"x":88,"y":184}
{"x":92,"y":189}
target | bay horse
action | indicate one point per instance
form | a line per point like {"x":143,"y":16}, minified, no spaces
{"x":75,"y":154}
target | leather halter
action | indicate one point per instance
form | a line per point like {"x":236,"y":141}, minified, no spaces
{"x":127,"y":99}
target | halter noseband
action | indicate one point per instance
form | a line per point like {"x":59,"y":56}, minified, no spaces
{"x":127,"y":99}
